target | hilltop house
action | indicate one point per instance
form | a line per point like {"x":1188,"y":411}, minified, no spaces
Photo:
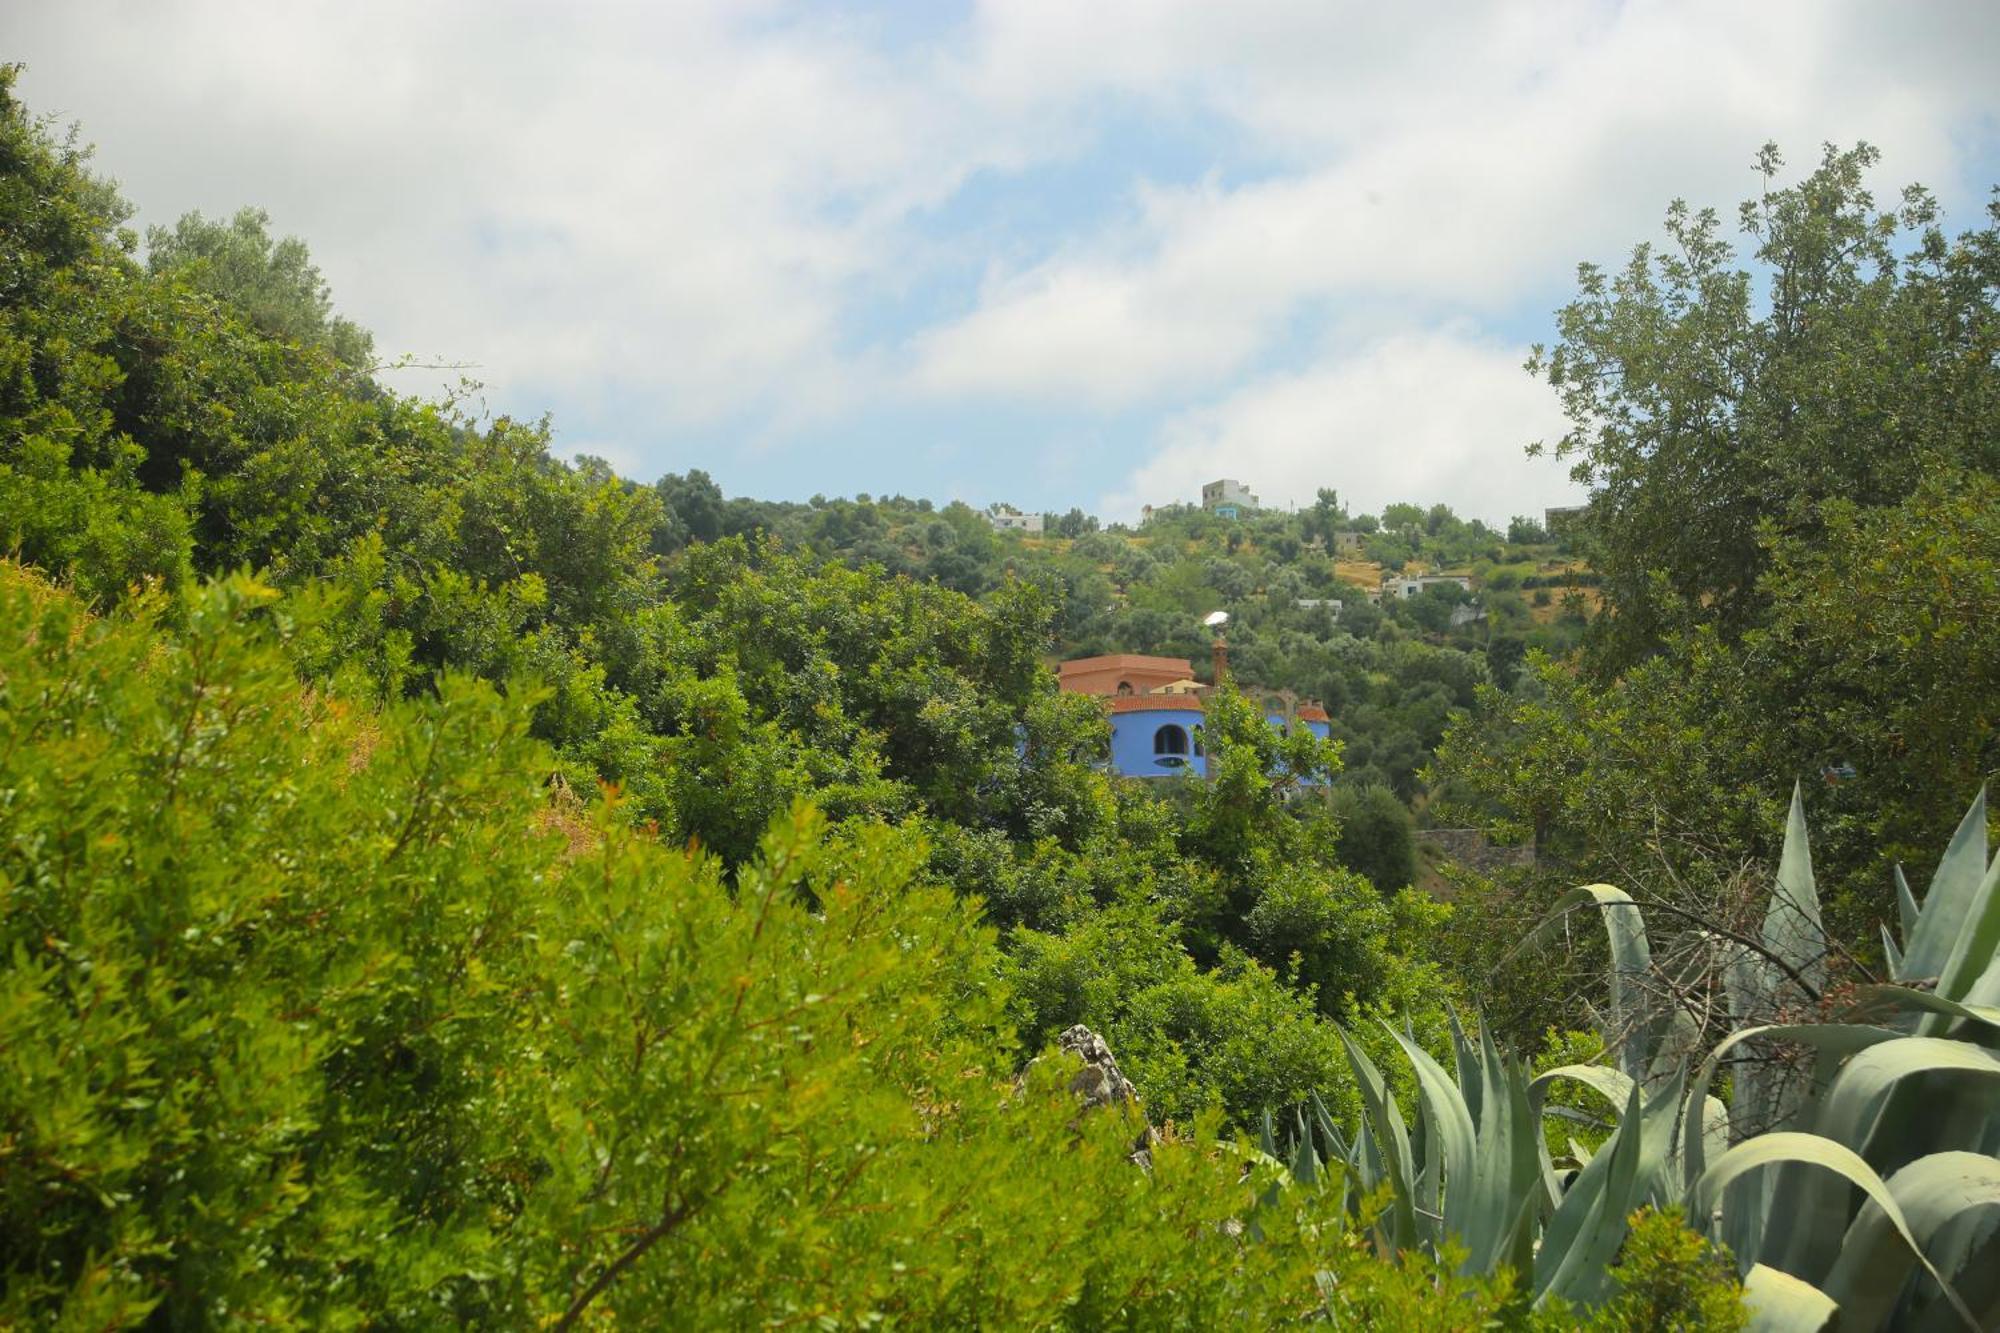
{"x":1156,"y":711}
{"x":1396,"y":586}
{"x":1006,"y":518}
{"x":1228,"y":499}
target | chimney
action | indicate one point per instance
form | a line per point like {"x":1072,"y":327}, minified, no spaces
{"x":1219,"y":663}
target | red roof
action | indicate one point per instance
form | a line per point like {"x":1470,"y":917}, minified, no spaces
{"x":1106,"y":660}
{"x":1313,"y":713}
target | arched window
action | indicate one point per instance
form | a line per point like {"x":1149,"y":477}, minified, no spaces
{"x":1170,"y":739}
{"x":1124,"y":687}
{"x":1200,"y":747}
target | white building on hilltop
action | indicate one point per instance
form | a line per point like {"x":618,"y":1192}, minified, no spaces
{"x":1006,"y":518}
{"x":1228,"y":499}
{"x":1407,"y":588}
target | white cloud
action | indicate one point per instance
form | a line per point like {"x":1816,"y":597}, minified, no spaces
{"x":1494,"y":159}
{"x":1430,"y":417}
{"x":683,"y":221}
{"x":668,"y":199}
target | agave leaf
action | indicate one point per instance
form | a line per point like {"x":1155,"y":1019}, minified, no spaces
{"x":1781,"y":1303}
{"x":1973,"y":971}
{"x":1892,"y":954}
{"x":1948,"y":906}
{"x":1835,"y":1038}
{"x":1867,"y":1110}
{"x":1713,"y":1128}
{"x":1784,"y":1146}
{"x":1466,"y":1056}
{"x":1449,"y":1120}
{"x":1598,"y":1203}
{"x":1680,"y":1042}
{"x":1907,"y":910}
{"x":1613,"y":1085}
{"x":1874,"y":1262}
{"x":1857,"y":1110}
{"x":1392,"y":1141}
{"x":1742,"y":1229}
{"x":1583,"y":1212}
{"x":1884,"y":1003}
{"x":1632,"y":1025}
{"x":1512,"y":1149}
{"x":1792,"y":929}
{"x":1337,"y":1148}
{"x":1305,"y":1162}
{"x":1967,"y":1248}
{"x":1367,"y":1159}
{"x":1429,"y":1191}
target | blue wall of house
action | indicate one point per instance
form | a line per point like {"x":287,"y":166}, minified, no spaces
{"x":1139,"y":751}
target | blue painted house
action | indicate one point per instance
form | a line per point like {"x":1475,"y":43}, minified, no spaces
{"x":1156,"y":713}
{"x":1157,"y":736}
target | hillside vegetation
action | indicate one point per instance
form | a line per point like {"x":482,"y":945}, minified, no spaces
{"x":441,"y":884}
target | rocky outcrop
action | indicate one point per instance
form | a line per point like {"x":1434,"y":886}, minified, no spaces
{"x":1099,"y":1083}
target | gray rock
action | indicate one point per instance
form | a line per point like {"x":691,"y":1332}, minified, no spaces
{"x":1099,"y":1083}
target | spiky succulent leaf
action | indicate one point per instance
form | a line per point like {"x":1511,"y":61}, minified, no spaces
{"x":1839,"y":1039}
{"x":1948,"y":907}
{"x":1792,"y":928}
{"x":1974,"y":974}
{"x":1907,"y":910}
{"x":1743,"y":1227}
{"x":1391,"y":1140}
{"x":1884,"y":1004}
{"x":1634,"y":1018}
{"x":1790,"y":1146}
{"x":1781,"y":1303}
{"x":1449,"y":1122}
{"x":1561,"y":1260}
{"x":1891,"y":1102}
{"x":1933,"y":1192}
{"x":1891,"y":954}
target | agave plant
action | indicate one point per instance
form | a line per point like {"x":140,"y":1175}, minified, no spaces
{"x":1870,"y":1189}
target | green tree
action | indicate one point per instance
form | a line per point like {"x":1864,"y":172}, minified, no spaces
{"x":1702,"y":410}
{"x":272,"y":281}
{"x":1377,"y":837}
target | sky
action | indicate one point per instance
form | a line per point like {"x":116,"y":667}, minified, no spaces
{"x":1050,"y":252}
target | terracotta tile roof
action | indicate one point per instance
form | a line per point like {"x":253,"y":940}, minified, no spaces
{"x":1110,"y":660}
{"x":1313,"y":713}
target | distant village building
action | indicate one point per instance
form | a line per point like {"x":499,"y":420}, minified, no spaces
{"x":1316,"y":603}
{"x":1006,"y":518}
{"x":1157,"y":716}
{"x":1347,"y":543}
{"x":1396,"y":586}
{"x":1228,"y":499}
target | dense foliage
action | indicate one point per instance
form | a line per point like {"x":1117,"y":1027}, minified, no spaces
{"x":1886,"y":1090}
{"x":441,"y":884}
{"x":1797,"y":516}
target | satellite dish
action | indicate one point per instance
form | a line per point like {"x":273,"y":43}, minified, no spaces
{"x":1216,"y":619}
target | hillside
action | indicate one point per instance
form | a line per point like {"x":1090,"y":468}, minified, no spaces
{"x":1391,"y":672}
{"x":443,"y":885}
